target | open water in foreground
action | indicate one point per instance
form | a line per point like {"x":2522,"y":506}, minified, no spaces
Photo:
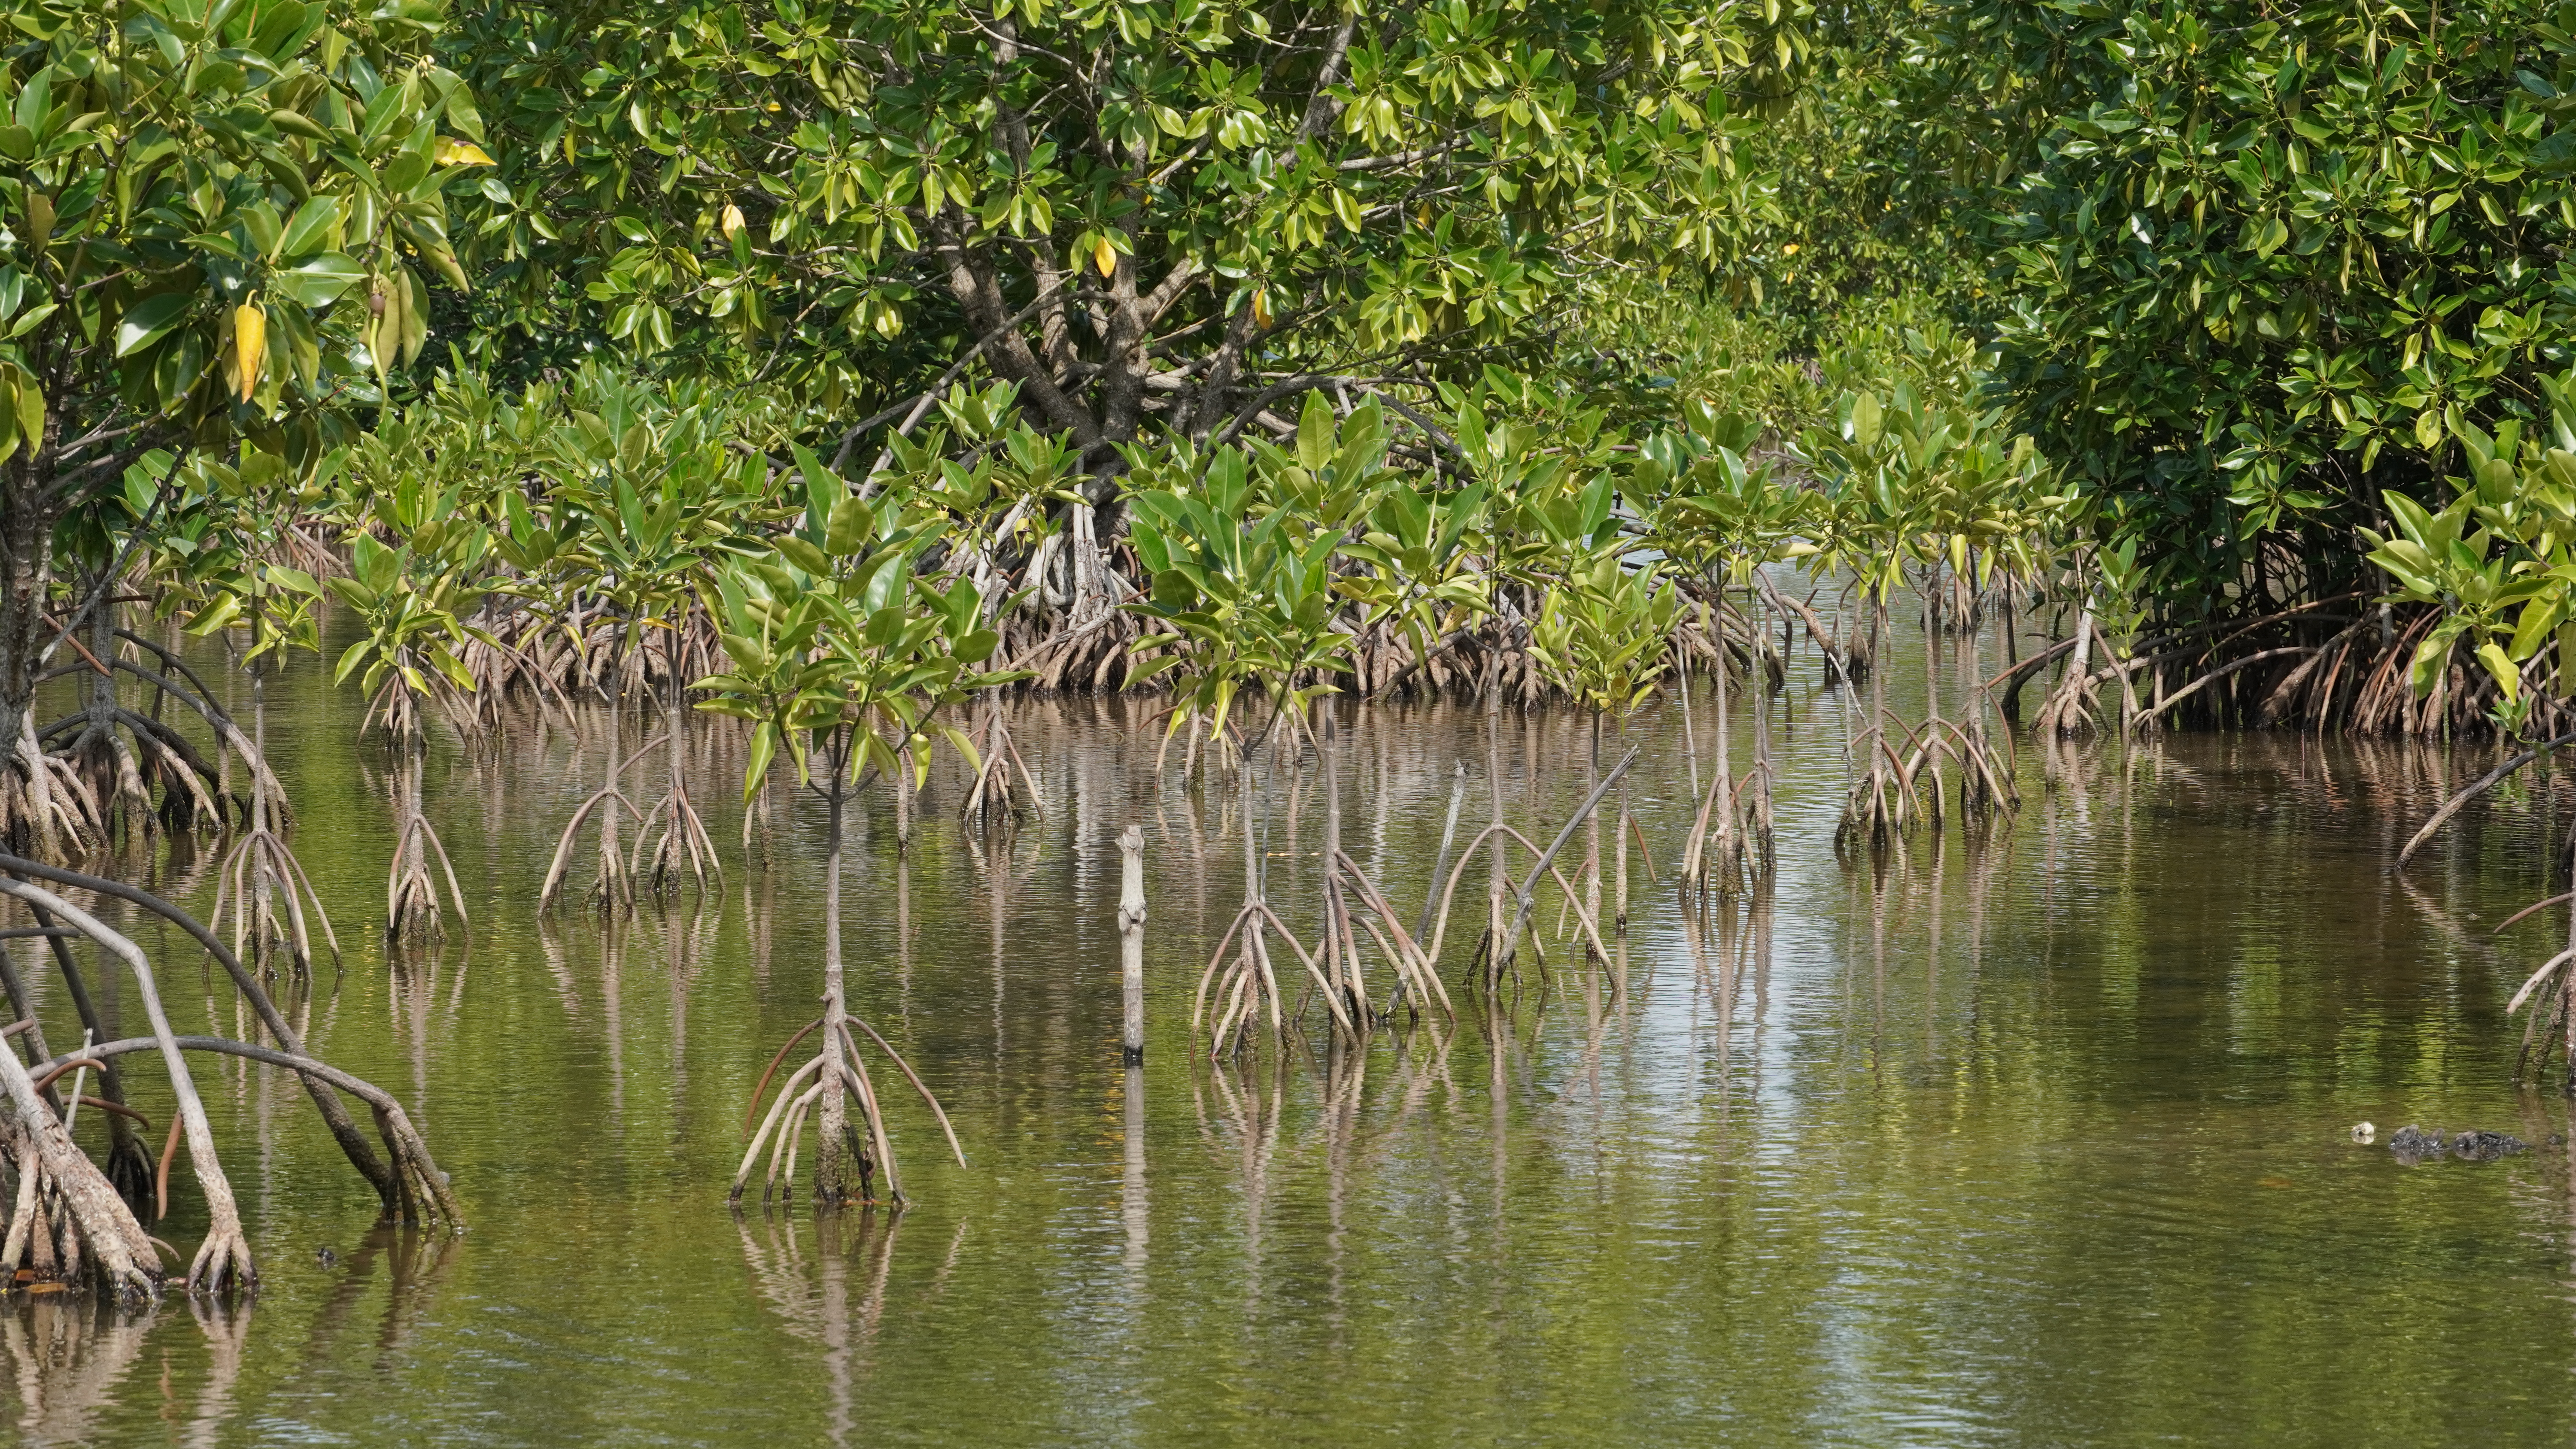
{"x":2039,"y":1142}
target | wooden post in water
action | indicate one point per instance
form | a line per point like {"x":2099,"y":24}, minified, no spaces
{"x":1131,"y":939}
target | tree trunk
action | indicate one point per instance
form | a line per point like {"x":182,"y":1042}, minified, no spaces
{"x":833,"y":1168}
{"x":1497,"y":870}
{"x":26,"y":569}
{"x":1131,"y":943}
{"x":609,"y":854}
{"x":1592,"y":825}
{"x":1724,"y":769}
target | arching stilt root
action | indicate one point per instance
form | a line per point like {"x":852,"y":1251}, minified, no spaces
{"x":66,"y":1223}
{"x":680,"y":844}
{"x":334,"y":1113}
{"x":614,"y":891}
{"x":223,"y":1260}
{"x":262,"y":890}
{"x":412,"y":910}
{"x":800,"y":1097}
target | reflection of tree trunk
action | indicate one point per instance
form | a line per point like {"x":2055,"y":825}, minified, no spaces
{"x":71,"y":1356}
{"x":1619,"y":837}
{"x":2567,"y":978}
{"x":674,"y":716}
{"x":1132,"y":1208}
{"x":1341,"y":967}
{"x":1724,"y":780}
{"x":1761,"y":826}
{"x":227,"y":1329}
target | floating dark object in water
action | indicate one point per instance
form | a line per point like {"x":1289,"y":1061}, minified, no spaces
{"x":2414,"y":1144}
{"x":325,"y":1257}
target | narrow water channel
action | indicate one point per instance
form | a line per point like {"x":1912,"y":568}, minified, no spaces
{"x":2041,"y":1139}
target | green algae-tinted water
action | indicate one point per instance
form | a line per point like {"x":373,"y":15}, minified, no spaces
{"x":2036,"y":1143}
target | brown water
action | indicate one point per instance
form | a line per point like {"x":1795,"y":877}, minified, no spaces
{"x":2044,"y":1141}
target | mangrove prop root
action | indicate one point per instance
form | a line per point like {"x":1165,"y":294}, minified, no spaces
{"x":760,"y":1090}
{"x":335,"y":1115}
{"x":423,"y":1182}
{"x":223,"y":1259}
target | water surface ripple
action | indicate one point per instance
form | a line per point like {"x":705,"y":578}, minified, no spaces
{"x":2036,"y":1140}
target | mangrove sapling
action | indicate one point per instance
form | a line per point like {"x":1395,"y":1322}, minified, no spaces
{"x":1341,"y":964}
{"x":1985,"y":787}
{"x":1526,"y":896}
{"x":991,"y":800}
{"x":838,"y":652}
{"x":683,"y":833}
{"x":839,"y":1068}
{"x":1913,"y":482}
{"x":1698,"y":866}
{"x":1246,"y":606}
{"x":1489,"y":948}
{"x":173,"y":679}
{"x":1431,"y":892}
{"x":666,"y":501}
{"x":614,"y":888}
{"x":1603,"y":635}
{"x":1341,"y":949}
{"x":1725,"y":520}
{"x":1883,"y":801}
{"x":1764,"y":851}
{"x":413,"y":601}
{"x":261,"y":886}
{"x":1251,"y":985}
